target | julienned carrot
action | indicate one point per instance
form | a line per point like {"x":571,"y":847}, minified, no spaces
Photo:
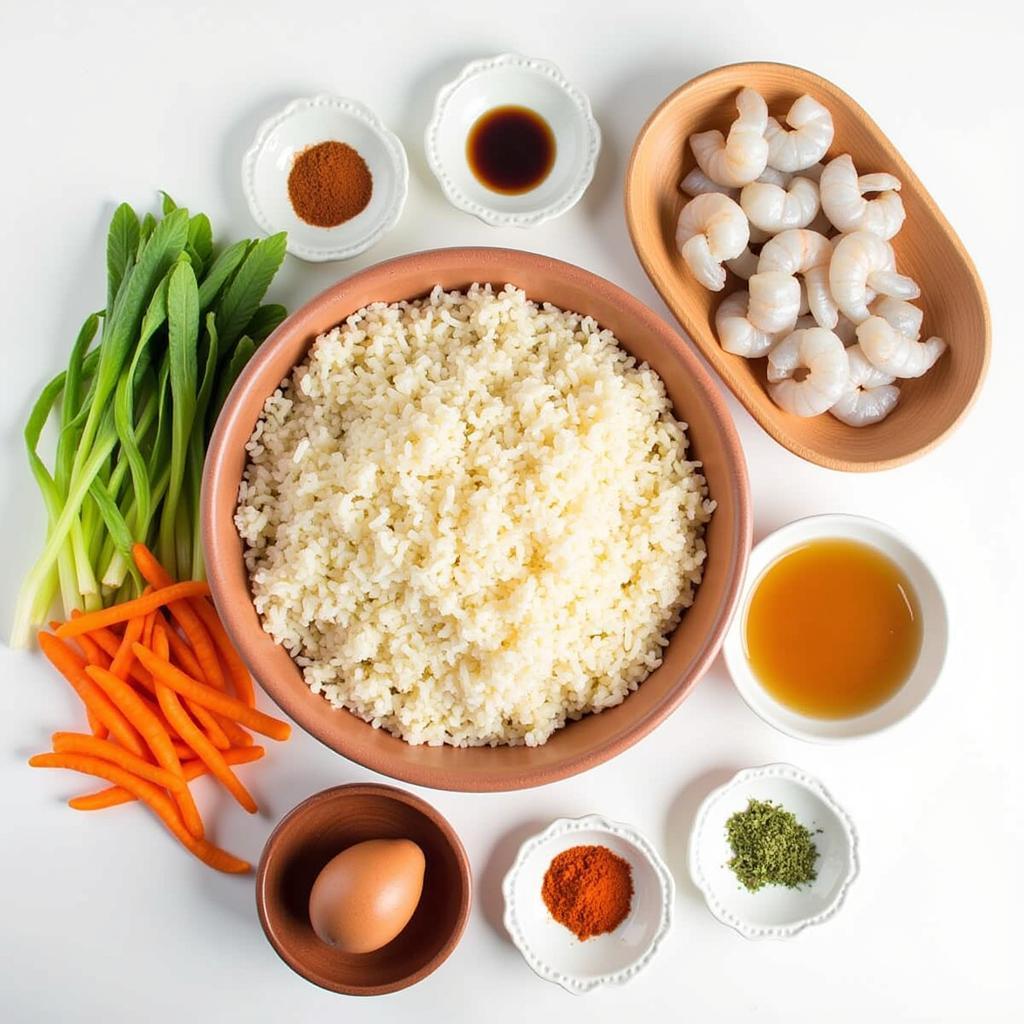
{"x":182,"y":654}
{"x":210,"y":698}
{"x":73,"y":669}
{"x":156,"y":736}
{"x":131,"y":609}
{"x":237,"y":736}
{"x":77,"y":743}
{"x":151,"y":795}
{"x":203,"y":648}
{"x":122,"y":663}
{"x":238,"y":673}
{"x":206,"y":751}
{"x":115,"y":795}
{"x":147,"y":629}
{"x":109,"y":642}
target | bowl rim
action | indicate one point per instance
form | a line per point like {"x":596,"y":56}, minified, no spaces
{"x":485,"y":260}
{"x":767,"y":424}
{"x":382,"y":792}
{"x":789,"y":772}
{"x":398,"y":163}
{"x":588,"y":823}
{"x":527,"y":216}
{"x":772,"y":547}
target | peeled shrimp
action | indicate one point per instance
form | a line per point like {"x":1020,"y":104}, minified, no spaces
{"x":895,"y":353}
{"x":819,"y":352}
{"x":697,"y":183}
{"x":870,"y":395}
{"x":740,"y":158}
{"x":846,"y":331}
{"x":711,"y":229}
{"x":804,"y":252}
{"x":736,"y":333}
{"x":905,"y":317}
{"x":861,"y":261}
{"x":842,"y":199}
{"x":774,"y":301}
{"x":778,"y":207}
{"x":809,"y":140}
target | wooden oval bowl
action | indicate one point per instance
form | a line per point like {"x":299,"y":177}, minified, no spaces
{"x":927,"y":249}
{"x":309,"y":835}
{"x":693,"y":645}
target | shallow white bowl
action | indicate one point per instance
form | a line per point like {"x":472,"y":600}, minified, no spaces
{"x":773,"y":912}
{"x":520,"y":81}
{"x":303,"y":123}
{"x":550,"y":949}
{"x":934,"y":629}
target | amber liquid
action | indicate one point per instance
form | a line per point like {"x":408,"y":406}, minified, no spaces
{"x":833,"y":629}
{"x":510,"y":150}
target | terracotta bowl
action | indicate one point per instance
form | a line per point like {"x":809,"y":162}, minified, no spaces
{"x":694,"y":644}
{"x":309,"y":835}
{"x":927,"y":249}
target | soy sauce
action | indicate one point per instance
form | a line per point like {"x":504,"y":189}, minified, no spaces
{"x":510,"y":149}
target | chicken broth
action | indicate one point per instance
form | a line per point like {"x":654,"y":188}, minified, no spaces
{"x":833,"y":629}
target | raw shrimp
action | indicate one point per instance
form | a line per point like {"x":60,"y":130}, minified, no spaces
{"x":870,"y":395}
{"x":819,"y":352}
{"x":736,"y":333}
{"x":804,"y":252}
{"x":711,"y":229}
{"x":905,"y":317}
{"x":809,"y":140}
{"x":846,"y":331}
{"x":745,"y":265}
{"x":843,"y":202}
{"x":740,"y":158}
{"x":778,"y":207}
{"x":863,"y":261}
{"x":895,"y":353}
{"x":697,"y":183}
{"x":774,"y":301}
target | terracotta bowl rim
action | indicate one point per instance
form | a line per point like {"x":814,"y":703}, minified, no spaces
{"x":294,"y":819}
{"x":478,"y":261}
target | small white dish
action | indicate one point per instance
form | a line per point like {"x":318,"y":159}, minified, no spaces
{"x":934,"y":629}
{"x":551,"y":950}
{"x":513,"y":80}
{"x":306,"y":122}
{"x":773,"y":912}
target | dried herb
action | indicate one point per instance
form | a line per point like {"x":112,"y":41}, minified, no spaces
{"x":770,"y":847}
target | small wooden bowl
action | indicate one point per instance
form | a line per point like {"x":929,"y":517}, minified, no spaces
{"x":309,"y":835}
{"x":927,"y":249}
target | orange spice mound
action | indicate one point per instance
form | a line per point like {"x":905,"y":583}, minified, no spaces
{"x":589,"y":890}
{"x":329,"y":183}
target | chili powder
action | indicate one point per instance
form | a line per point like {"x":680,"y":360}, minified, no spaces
{"x":589,"y":890}
{"x":329,"y":183}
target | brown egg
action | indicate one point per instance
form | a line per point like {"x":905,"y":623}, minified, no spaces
{"x":366,"y":895}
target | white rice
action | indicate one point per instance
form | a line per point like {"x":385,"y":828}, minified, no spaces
{"x":471,"y":519}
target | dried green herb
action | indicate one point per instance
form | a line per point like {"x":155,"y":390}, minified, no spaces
{"x":770,"y":847}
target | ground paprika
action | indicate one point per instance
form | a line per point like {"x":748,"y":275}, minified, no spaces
{"x":329,"y":184}
{"x":589,"y":890}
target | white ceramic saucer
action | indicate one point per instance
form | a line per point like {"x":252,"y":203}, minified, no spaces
{"x":518,"y":81}
{"x":550,"y":949}
{"x":773,"y":912}
{"x":303,"y":123}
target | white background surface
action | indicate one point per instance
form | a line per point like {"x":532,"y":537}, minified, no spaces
{"x":104,"y":918}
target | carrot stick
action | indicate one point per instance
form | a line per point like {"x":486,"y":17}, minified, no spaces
{"x":155,"y":735}
{"x":131,"y":609}
{"x":73,"y":669}
{"x":122,"y":663}
{"x":147,"y":629}
{"x":222,"y":703}
{"x":207,"y":752}
{"x":182,"y":654}
{"x":151,"y":795}
{"x":235,"y":733}
{"x":205,"y":652}
{"x":115,"y":795}
{"x":109,"y":642}
{"x":238,"y":673}
{"x":76,"y":743}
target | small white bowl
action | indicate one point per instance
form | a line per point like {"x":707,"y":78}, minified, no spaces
{"x":773,"y":912}
{"x":303,"y":123}
{"x":550,"y":949}
{"x":934,"y":629}
{"x":519,"y":81}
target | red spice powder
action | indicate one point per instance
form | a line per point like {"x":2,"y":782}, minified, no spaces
{"x":329,"y":183}
{"x":589,"y":890}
